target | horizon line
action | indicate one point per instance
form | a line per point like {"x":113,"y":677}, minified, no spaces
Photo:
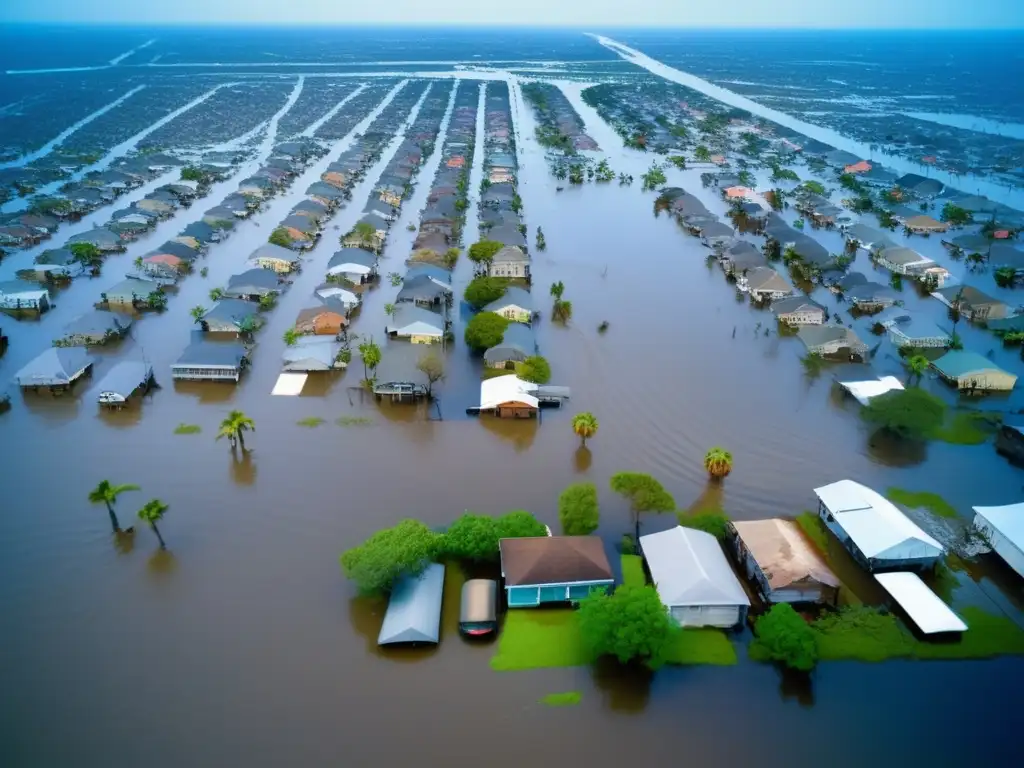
{"x":492,"y":25}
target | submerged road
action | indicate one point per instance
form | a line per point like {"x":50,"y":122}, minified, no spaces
{"x":967,"y":182}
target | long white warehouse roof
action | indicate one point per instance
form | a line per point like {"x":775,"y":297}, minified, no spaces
{"x":874,"y":523}
{"x":922,"y":605}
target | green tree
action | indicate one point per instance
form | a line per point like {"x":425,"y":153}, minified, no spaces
{"x":585,"y":426}
{"x":481,"y":291}
{"x":578,"y":509}
{"x":746,"y":178}
{"x":644,"y":494}
{"x":390,"y":310}
{"x":281,"y":237}
{"x":678,"y":161}
{"x":815,"y":186}
{"x":472,"y":537}
{"x":451,"y":256}
{"x":216,"y":294}
{"x":405,"y":549}
{"x":153,"y":512}
{"x":718,"y":462}
{"x":955,"y":215}
{"x":107,"y":493}
{"x":909,"y":413}
{"x":86,"y":254}
{"x":631,"y":624}
{"x":366,"y":234}
{"x":561,"y":310}
{"x":848,"y":181}
{"x":714,"y":522}
{"x":197,"y":313}
{"x":519,"y":524}
{"x":291,"y":337}
{"x":485,"y":330}
{"x":535,"y":369}
{"x":783,"y":636}
{"x":234,"y":427}
{"x":483,"y":251}
{"x":702,"y":154}
{"x":371,"y":356}
{"x":557,"y":289}
{"x":918,"y":365}
{"x":431,"y":365}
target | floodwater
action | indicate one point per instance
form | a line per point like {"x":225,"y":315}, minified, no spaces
{"x":243,"y":642}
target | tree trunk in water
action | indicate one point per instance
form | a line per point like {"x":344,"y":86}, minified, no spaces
{"x":583,"y":441}
{"x":113,"y":518}
{"x":241,"y":439}
{"x":636,"y":536}
{"x":158,"y":536}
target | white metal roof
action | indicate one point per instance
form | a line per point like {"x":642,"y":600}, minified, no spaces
{"x":414,"y":611}
{"x":1008,"y":520}
{"x":922,"y":605}
{"x":290,"y":384}
{"x":689,"y":568}
{"x":874,"y":523}
{"x":863,"y":391}
{"x":504,"y":389}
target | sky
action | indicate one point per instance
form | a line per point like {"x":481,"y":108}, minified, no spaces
{"x":583,"y":14}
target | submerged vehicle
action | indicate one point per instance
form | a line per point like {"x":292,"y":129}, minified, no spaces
{"x":478,"y":616}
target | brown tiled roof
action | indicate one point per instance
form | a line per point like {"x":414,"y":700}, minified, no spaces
{"x":553,"y":560}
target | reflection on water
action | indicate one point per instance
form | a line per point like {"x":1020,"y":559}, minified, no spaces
{"x":206,"y":391}
{"x":519,"y":432}
{"x":710,"y":499}
{"x":796,"y":686}
{"x":625,"y":689}
{"x":163,"y":563}
{"x":894,"y":451}
{"x":124,"y":541}
{"x":582,"y":459}
{"x":121,"y":418}
{"x":243,"y":468}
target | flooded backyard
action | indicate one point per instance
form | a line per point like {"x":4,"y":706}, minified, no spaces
{"x":243,"y":642}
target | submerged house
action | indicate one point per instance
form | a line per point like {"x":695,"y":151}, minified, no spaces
{"x":540,"y":570}
{"x":764,"y":284}
{"x":906,"y":330}
{"x":868,"y":238}
{"x":517,"y":344}
{"x":798,"y":310}
{"x":131,"y":292}
{"x":509,"y":397}
{"x":357,"y":265}
{"x":398,"y":377}
{"x":312,"y":353}
{"x":253,"y":285}
{"x":94,"y":328}
{"x":873,"y":530}
{"x":274,"y":258}
{"x":56,"y":263}
{"x":423,"y":292}
{"x":55,"y":368}
{"x":123,"y":380}
{"x":1003,"y":528}
{"x":414,"y":608}
{"x":694,"y":580}
{"x":516,"y":305}
{"x":832,"y":340}
{"x":420,"y":326}
{"x":510,"y":261}
{"x":970,"y":371}
{"x":320,"y":321}
{"x":906,"y":261}
{"x":231,"y":316}
{"x":973,"y":304}
{"x":205,"y":360}
{"x":781,"y":562}
{"x":21,"y":296}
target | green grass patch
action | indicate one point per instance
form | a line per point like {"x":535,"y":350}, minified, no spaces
{"x":353,"y":421}
{"x":633,"y":571}
{"x":538,"y":638}
{"x":567,"y":699}
{"x":865,"y":634}
{"x":702,"y":646}
{"x":921,"y":500}
{"x":814,"y":529}
{"x":967,"y":428}
{"x":493,"y":373}
{"x":310,"y":422}
{"x":187,"y":429}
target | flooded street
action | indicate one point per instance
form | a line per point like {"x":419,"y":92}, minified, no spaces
{"x":244,"y":643}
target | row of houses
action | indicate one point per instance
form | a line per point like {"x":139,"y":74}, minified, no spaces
{"x":423,"y":305}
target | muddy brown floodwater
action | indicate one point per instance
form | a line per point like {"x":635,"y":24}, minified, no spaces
{"x":243,"y":644}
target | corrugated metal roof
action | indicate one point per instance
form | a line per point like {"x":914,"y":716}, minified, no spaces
{"x":783,"y":554}
{"x":688,"y":567}
{"x":414,"y":610}
{"x":922,"y":605}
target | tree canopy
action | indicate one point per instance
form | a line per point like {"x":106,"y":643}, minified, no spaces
{"x":473,"y":537}
{"x":644,"y":494}
{"x":481,"y":291}
{"x":519,"y":524}
{"x":909,"y":413}
{"x":483,"y":251}
{"x":955,"y":215}
{"x":631,"y":624}
{"x":535,"y":369}
{"x":783,"y":636}
{"x":431,"y":365}
{"x":485,"y":330}
{"x":578,"y":509}
{"x":712,"y":521}
{"x":814,"y":186}
{"x":376,"y":564}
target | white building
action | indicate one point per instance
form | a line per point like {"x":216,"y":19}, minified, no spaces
{"x":1004,"y":529}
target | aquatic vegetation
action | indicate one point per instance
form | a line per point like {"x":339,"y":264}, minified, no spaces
{"x":353,"y":421}
{"x":187,"y":429}
{"x":921,"y":500}
{"x":967,"y":428}
{"x":566,"y":699}
{"x":310,"y":422}
{"x":814,"y":529}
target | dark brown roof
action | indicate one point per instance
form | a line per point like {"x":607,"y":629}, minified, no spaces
{"x":553,"y":560}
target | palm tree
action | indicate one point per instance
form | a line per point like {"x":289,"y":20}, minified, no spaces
{"x":918,"y":365}
{"x":370,"y":353}
{"x":153,"y":513}
{"x":584,"y":425}
{"x":718,"y":462}
{"x":197,"y":312}
{"x":291,"y":336}
{"x":234,"y":428}
{"x":557,"y":289}
{"x":390,"y":310}
{"x":106,"y":493}
{"x":216,"y":294}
